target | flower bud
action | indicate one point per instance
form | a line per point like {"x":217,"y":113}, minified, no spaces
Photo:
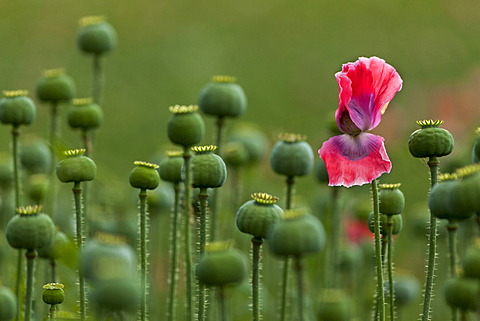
{"x":292,"y":156}
{"x":222,"y":97}
{"x":430,"y":140}
{"x":55,"y":86}
{"x":144,"y":176}
{"x":76,"y":167}
{"x":391,"y":199}
{"x":53,"y":293}
{"x":185,"y":126}
{"x":171,"y":167}
{"x":208,"y":169}
{"x":84,"y":114}
{"x":96,"y":36}
{"x":16,"y":108}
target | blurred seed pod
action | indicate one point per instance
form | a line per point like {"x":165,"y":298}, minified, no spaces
{"x":252,"y":138}
{"x":465,"y":194}
{"x":462,"y":293}
{"x":57,"y":248}
{"x":8,"y":304}
{"x":160,"y":200}
{"x":37,"y":188}
{"x":171,"y":167}
{"x":84,"y":114}
{"x":292,"y":156}
{"x":115,"y":295}
{"x":96,"y":36}
{"x":35,"y":156}
{"x":76,"y":167}
{"x":55,"y":86}
{"x":235,"y":154}
{"x":16,"y":108}
{"x":471,"y":260}
{"x":222,"y":97}
{"x":333,"y":305}
{"x":406,"y":288}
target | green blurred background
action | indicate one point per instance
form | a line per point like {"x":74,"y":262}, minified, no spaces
{"x":283,"y":53}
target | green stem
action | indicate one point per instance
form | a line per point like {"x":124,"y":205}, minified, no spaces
{"x":300,"y":294}
{"x":80,"y":239}
{"x":18,"y":281}
{"x":54,"y":132}
{"x":391,"y":291}
{"x":30,"y":255}
{"x":380,"y":295}
{"x":87,"y":142}
{"x":16,"y":170}
{"x":173,"y":254}
{"x":218,"y":140}
{"x":222,"y":302}
{"x":334,"y":244}
{"x":289,"y":193}
{"x":283,"y":307}
{"x":452,"y":228}
{"x":256,"y":246}
{"x":53,"y":270}
{"x":97,"y":85}
{"x":203,"y":198}
{"x":52,"y":312}
{"x":143,"y":254}
{"x":188,"y":235}
{"x":432,"y":246}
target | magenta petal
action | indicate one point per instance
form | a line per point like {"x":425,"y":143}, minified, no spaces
{"x":354,"y":160}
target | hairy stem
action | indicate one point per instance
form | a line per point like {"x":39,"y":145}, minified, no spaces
{"x":203,"y":198}
{"x":380,"y":295}
{"x":256,"y":247}
{"x":80,"y":239}
{"x":188,"y":235}
{"x":143,"y":255}
{"x":452,"y":246}
{"x":30,"y":255}
{"x":173,"y":255}
{"x":391,"y":291}
{"x":300,"y":294}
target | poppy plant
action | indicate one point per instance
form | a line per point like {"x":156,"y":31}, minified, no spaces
{"x":365,"y":89}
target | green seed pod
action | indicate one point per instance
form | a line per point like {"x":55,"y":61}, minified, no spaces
{"x":84,"y":114}
{"x":391,"y":199}
{"x":76,"y":167}
{"x":37,"y":188}
{"x":221,"y":265}
{"x":440,"y":199}
{"x":235,"y":154}
{"x":35,"y":156}
{"x":252,"y":138}
{"x":476,"y":147}
{"x":222,"y":97}
{"x":397,"y":221}
{"x":208,"y":169}
{"x":292,"y":156}
{"x":171,"y":167}
{"x":57,"y":249}
{"x":430,"y":140}
{"x":16,"y":108}
{"x":107,"y":257}
{"x":297,"y":234}
{"x":8,"y":304}
{"x":53,"y":293}
{"x":116,"y":295}
{"x":96,"y":36}
{"x":461,"y":292}
{"x":465,"y":194}
{"x":333,"y":305}
{"x":185,"y":126}
{"x":255,"y":217}
{"x":407,"y":290}
{"x":471,"y":261}
{"x":30,"y":229}
{"x":160,"y":200}
{"x":144,"y":176}
{"x":55,"y":86}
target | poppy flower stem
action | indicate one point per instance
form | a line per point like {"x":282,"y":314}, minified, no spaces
{"x":30,"y":255}
{"x":380,"y":295}
{"x":391,"y":292}
{"x":187,"y":155}
{"x":202,"y":296}
{"x":173,"y":254}
{"x":143,"y":218}
{"x":432,"y":245}
{"x":299,"y":270}
{"x":331,"y":278}
{"x":452,"y":228}
{"x":80,"y":239}
{"x":256,"y":247}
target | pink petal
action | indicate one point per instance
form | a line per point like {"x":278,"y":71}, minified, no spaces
{"x":354,"y":160}
{"x":365,"y":88}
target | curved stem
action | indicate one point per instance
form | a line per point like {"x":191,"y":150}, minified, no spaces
{"x":391,"y":288}
{"x":380,"y":295}
{"x":300,"y":294}
{"x":188,"y":235}
{"x":256,"y":247}
{"x":202,"y":298}
{"x":432,"y":246}
{"x":30,"y":255}
{"x":452,"y":228}
{"x":80,"y":239}
{"x":173,"y":255}
{"x":143,"y":254}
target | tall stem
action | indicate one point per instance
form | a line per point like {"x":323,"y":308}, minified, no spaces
{"x":391,"y":293}
{"x":52,"y":312}
{"x":432,"y":246}
{"x":222,"y":302}
{"x":80,"y":239}
{"x":331,"y":279}
{"x":16,"y":170}
{"x":256,"y":246}
{"x":380,"y":295}
{"x":299,"y":270}
{"x":203,"y":198}
{"x":143,"y":254}
{"x":188,"y":235}
{"x":97,"y":85}
{"x":173,"y":254}
{"x":452,"y":246}
{"x":30,"y":255}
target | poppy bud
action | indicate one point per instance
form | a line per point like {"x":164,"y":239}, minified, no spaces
{"x":397,"y":222}
{"x":208,"y":169}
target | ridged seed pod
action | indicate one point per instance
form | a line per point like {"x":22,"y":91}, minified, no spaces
{"x":255,"y":217}
{"x":221,"y":265}
{"x":440,"y":200}
{"x":144,"y":176}
{"x":430,"y":140}
{"x":16,"y":108}
{"x":171,"y":167}
{"x":53,"y":293}
{"x":84,"y":114}
{"x":222,"y":97}
{"x":397,"y":221}
{"x":76,"y":167}
{"x":392,"y":200}
{"x":55,"y":86}
{"x":57,"y":248}
{"x":462,"y":293}
{"x":8,"y":304}
{"x":30,"y":229}
{"x":292,"y":156}
{"x":96,"y":36}
{"x":185,"y":126}
{"x":208,"y":169}
{"x":297,"y":234}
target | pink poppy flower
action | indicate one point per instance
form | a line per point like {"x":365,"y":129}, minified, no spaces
{"x":365,"y":89}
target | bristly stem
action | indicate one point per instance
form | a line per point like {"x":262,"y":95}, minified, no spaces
{"x":188,"y":235}
{"x":202,"y":298}
{"x":143,"y":255}
{"x":256,"y":247}
{"x":391,"y":292}
{"x":299,"y":270}
{"x":80,"y":239}
{"x":432,"y":246}
{"x":30,"y":255}
{"x":173,"y":254}
{"x":97,"y":85}
{"x":380,"y":294}
{"x":452,"y":228}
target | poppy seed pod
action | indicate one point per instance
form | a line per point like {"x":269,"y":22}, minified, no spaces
{"x":392,"y":200}
{"x":333,"y":305}
{"x":297,"y":234}
{"x":30,"y":229}
{"x":222,"y":97}
{"x":171,"y":167}
{"x":16,"y":108}
{"x":57,"y":248}
{"x":185,"y":126}
{"x":406,"y":289}
{"x":471,"y":261}
{"x":35,"y":156}
{"x":255,"y":217}
{"x":8,"y":304}
{"x":461,"y":292}
{"x":84,"y":114}
{"x":430,"y":140}
{"x":76,"y":167}
{"x":208,"y":169}
{"x":221,"y":265}
{"x":440,"y":200}
{"x":53,"y":293}
{"x":292,"y":156}
{"x":465,"y":195}
{"x":55,"y":86}
{"x":116,"y":295}
{"x":254,"y":141}
{"x":96,"y":36}
{"x":144,"y":176}
{"x":397,"y":222}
